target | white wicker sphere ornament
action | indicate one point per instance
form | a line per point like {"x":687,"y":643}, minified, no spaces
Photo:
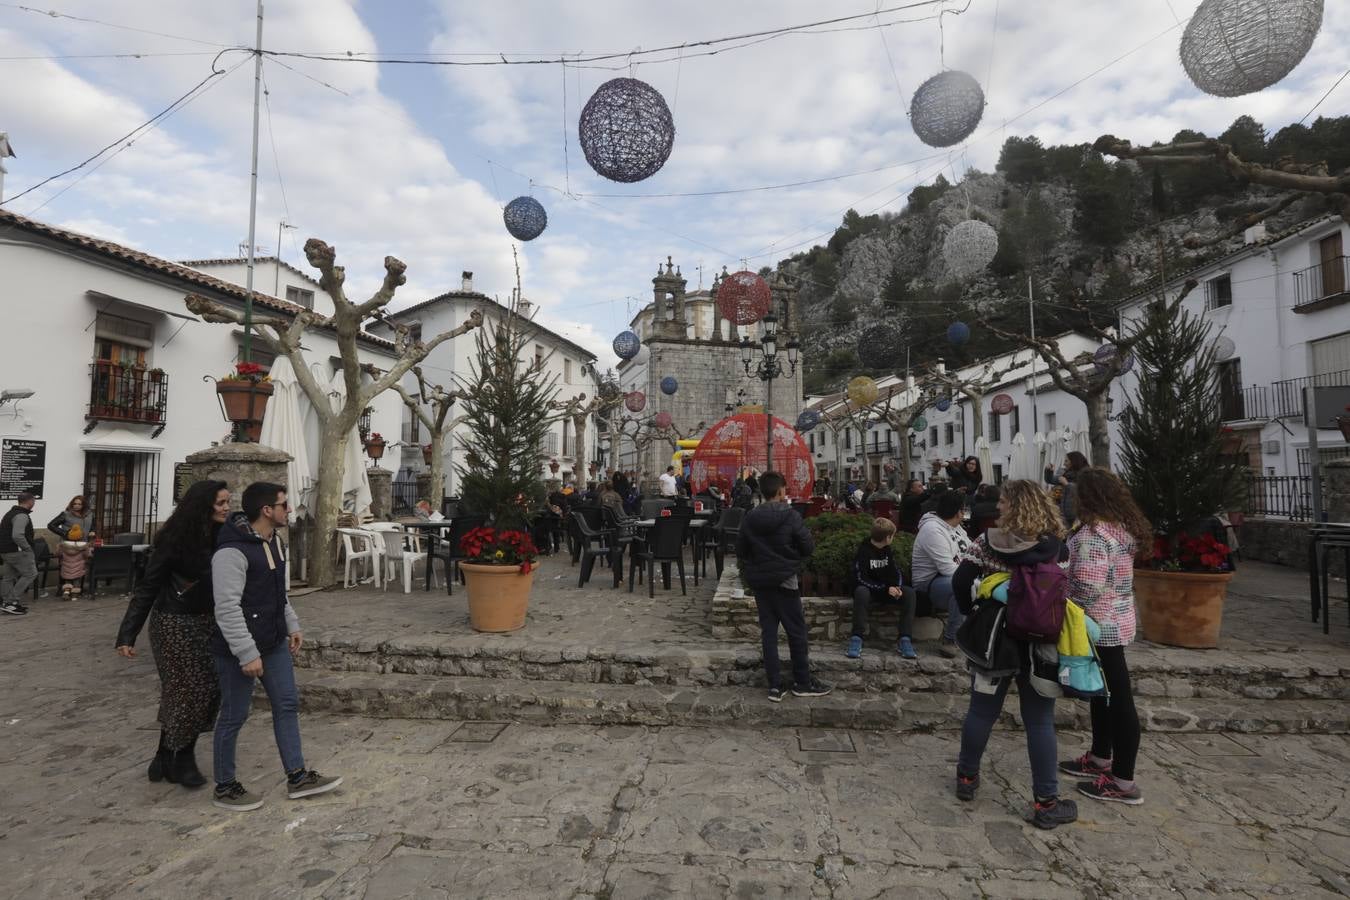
{"x":946,"y":108}
{"x":525,"y":218}
{"x":1236,"y":47}
{"x":970,"y":246}
{"x":626,"y":130}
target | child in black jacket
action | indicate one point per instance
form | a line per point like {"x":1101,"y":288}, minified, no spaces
{"x":876,"y":579}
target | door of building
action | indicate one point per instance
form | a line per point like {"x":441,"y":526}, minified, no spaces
{"x":1333,"y":265}
{"x":108,"y":481}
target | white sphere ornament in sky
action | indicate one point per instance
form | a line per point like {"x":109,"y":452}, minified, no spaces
{"x":1236,"y":47}
{"x":970,"y":246}
{"x":946,"y":108}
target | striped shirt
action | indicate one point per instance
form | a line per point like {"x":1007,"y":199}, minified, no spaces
{"x":1101,"y":579}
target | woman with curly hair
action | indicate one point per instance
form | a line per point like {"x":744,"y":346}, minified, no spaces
{"x":176,"y":595}
{"x":1101,"y":579}
{"x":1029,"y":532}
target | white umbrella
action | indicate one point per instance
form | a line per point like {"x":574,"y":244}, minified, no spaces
{"x":1056,"y":445}
{"x":1080,"y":441}
{"x":985,"y":457}
{"x":1022,"y":465}
{"x":355,"y":484}
{"x":283,"y":429}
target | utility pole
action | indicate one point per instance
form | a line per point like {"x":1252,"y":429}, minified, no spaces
{"x":276,"y":285}
{"x":1031,"y":297}
{"x":253,"y":191}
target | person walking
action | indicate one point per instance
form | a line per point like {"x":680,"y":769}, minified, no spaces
{"x":1111,"y":533}
{"x":937,"y":552}
{"x":772,"y":544}
{"x":176,"y":596}
{"x":18,"y":555}
{"x":256,"y":633}
{"x":877,"y":580}
{"x":1029,"y":533}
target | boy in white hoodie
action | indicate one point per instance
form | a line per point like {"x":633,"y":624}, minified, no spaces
{"x":937,"y":552}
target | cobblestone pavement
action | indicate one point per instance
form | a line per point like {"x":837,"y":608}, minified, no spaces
{"x":448,"y":809}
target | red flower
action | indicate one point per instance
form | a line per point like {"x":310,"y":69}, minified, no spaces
{"x":525,"y":567}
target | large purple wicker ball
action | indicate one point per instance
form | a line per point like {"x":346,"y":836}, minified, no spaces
{"x":525,"y":218}
{"x":626,"y":345}
{"x":626,"y":130}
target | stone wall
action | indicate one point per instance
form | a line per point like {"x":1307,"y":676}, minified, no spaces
{"x":1283,"y":542}
{"x":239,"y":465}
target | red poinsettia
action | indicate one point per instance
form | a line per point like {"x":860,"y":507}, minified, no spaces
{"x":246,"y":371}
{"x":1193,"y":553}
{"x":490,"y":547}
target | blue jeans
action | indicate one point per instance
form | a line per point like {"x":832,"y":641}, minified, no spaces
{"x":1038,"y":720}
{"x":941,"y":596}
{"x":236,"y":697}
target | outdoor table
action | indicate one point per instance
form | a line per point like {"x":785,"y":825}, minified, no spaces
{"x":699,"y":521}
{"x":1323,"y":538}
{"x":431,"y":530}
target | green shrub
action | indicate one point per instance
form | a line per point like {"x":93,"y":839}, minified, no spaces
{"x":837,"y":537}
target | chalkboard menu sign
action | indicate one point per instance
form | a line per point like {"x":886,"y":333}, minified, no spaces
{"x":182,"y":480}
{"x":23,"y":466}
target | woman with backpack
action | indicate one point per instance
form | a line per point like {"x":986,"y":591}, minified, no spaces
{"x":1101,"y":580}
{"x":1029,"y":536}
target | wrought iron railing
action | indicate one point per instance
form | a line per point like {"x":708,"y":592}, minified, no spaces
{"x":1322,"y":281}
{"x":1244,"y":403}
{"x":1280,"y":496}
{"x":127,"y":394}
{"x":1287,"y":395}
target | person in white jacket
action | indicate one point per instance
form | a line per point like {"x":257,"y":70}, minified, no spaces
{"x":937,"y":552}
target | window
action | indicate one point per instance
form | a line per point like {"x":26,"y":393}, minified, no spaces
{"x":1330,"y":356}
{"x":549,"y":445}
{"x":949,"y":433}
{"x":1331,"y":253}
{"x":257,"y":354}
{"x":414,"y":428}
{"x":538,"y":353}
{"x":415,"y":332}
{"x":998,"y":473}
{"x":300,"y":297}
{"x":812,"y":442}
{"x":1050,"y":422}
{"x":995,"y":427}
{"x":566,"y":432}
{"x":567,"y":371}
{"x":932,"y":436}
{"x":1016,"y":419}
{"x":1219,"y":292}
{"x":848,"y":438}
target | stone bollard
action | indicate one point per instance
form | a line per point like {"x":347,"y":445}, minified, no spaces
{"x":425,"y":492}
{"x":239,"y":465}
{"x":381,"y":492}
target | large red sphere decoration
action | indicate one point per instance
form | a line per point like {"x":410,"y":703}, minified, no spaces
{"x":739,"y":441}
{"x":744,"y":298}
{"x":636,"y":401}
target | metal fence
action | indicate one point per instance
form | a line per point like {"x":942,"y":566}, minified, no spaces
{"x":1280,"y":496}
{"x":1287,"y":396}
{"x":404,"y":495}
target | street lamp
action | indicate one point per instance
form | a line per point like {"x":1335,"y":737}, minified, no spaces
{"x":767,"y":369}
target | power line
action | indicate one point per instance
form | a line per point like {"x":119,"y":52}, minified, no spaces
{"x":51,"y":13}
{"x":129,"y":54}
{"x":276,"y":160}
{"x":1324,"y":97}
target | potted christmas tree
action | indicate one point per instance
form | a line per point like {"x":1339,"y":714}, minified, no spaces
{"x":1181,"y":474}
{"x":508,"y":408}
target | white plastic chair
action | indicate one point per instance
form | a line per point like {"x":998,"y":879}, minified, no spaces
{"x":401,"y":549}
{"x":359,"y":545}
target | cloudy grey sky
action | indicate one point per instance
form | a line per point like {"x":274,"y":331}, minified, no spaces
{"x":416,"y":161}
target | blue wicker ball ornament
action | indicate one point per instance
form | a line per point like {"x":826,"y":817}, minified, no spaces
{"x":958,"y":333}
{"x":944,"y":404}
{"x":525,"y":218}
{"x":881,"y":346}
{"x":946,"y":108}
{"x":809,"y":419}
{"x":626,"y":130}
{"x":669,"y":385}
{"x":627,"y":345}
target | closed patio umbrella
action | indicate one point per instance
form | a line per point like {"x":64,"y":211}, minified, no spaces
{"x":986,"y":458}
{"x":355,"y":483}
{"x":284,"y":429}
{"x":1023,"y":462}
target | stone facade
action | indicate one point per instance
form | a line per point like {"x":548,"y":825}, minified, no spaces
{"x":239,"y":465}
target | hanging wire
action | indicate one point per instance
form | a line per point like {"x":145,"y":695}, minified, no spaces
{"x":895,"y":76}
{"x":567,"y":169}
{"x":276,"y":159}
{"x":51,"y":13}
{"x":993,"y":44}
{"x":675,"y":105}
{"x":1324,"y":97}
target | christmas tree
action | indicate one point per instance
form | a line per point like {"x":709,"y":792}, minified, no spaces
{"x":1173,"y":453}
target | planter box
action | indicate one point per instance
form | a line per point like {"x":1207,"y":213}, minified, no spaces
{"x":499,"y":596}
{"x":1181,"y":609}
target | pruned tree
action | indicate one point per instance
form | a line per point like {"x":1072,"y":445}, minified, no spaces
{"x":282,"y":336}
{"x":974,"y":386}
{"x":1298,"y":179}
{"x":900,"y":408}
{"x":674,"y":434}
{"x":579,"y":411}
{"x":435,"y":420}
{"x":1086,"y":376}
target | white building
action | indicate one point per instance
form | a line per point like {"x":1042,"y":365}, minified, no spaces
{"x":1283,"y":305}
{"x":272,"y":276}
{"x":121,"y":371}
{"x":450,"y":363}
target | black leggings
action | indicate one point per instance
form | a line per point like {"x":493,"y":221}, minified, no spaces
{"x":1115,"y":724}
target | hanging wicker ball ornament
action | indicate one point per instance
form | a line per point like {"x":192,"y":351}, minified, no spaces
{"x":880,"y":346}
{"x":969,"y":247}
{"x":669,"y":385}
{"x":808,"y":419}
{"x":1002,"y":404}
{"x":635,"y":401}
{"x":627,"y":345}
{"x":944,"y":404}
{"x":958,"y":333}
{"x":946,"y":108}
{"x":919,"y":424}
{"x":1236,"y":47}
{"x":862,"y":391}
{"x":744,"y":298}
{"x":664,"y":420}
{"x":626,"y":130}
{"x":525,"y":218}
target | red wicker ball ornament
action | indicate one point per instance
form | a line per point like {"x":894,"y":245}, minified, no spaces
{"x":744,"y":298}
{"x":664,"y":420}
{"x":635,"y":401}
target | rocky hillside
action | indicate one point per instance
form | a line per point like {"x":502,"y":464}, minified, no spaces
{"x":1083,"y":228}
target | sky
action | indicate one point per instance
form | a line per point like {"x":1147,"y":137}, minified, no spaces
{"x":417,"y":161}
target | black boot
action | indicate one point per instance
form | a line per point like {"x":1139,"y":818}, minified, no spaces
{"x":182,"y":767}
{"x":160,"y":762}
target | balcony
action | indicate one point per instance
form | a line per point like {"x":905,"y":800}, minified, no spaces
{"x":125,"y":394}
{"x":1287,"y":396}
{"x":1244,"y":404}
{"x":1320,"y":286}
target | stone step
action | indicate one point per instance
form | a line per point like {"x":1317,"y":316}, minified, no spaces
{"x":1157,"y":672}
{"x":564,"y":703}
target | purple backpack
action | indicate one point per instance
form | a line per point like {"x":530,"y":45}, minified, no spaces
{"x":1036,"y":598}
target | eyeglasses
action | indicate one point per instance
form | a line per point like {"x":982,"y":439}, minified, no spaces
{"x":284,"y":504}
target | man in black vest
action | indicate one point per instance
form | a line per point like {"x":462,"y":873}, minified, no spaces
{"x":17,"y":554}
{"x":256,"y":633}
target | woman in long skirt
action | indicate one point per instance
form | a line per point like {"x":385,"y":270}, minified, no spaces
{"x":176,"y":597}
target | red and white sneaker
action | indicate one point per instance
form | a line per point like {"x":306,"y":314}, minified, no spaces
{"x":1107,"y":788}
{"x":1084,"y":767}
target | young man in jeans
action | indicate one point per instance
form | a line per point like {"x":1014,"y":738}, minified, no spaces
{"x":772,"y":544}
{"x":256,"y":633}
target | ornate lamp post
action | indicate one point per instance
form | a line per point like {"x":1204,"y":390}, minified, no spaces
{"x":767,"y":368}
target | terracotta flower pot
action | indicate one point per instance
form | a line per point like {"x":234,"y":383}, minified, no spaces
{"x":426,"y":455}
{"x":375,"y":449}
{"x":236,"y":397}
{"x":498,"y":596}
{"x":1181,"y":609}
{"x":1343,"y":422}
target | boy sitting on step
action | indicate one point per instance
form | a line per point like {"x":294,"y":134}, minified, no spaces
{"x":876,"y":579}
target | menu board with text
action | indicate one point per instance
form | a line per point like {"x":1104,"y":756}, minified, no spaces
{"x":23,"y":467}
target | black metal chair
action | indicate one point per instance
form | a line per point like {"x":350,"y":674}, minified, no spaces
{"x":108,"y":562}
{"x":593,"y":544}
{"x":728,"y":529}
{"x":705,"y":544}
{"x":621,"y":535}
{"x":664,"y":544}
{"x":129,"y":537}
{"x":449,"y":553}
{"x":590,"y":513}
